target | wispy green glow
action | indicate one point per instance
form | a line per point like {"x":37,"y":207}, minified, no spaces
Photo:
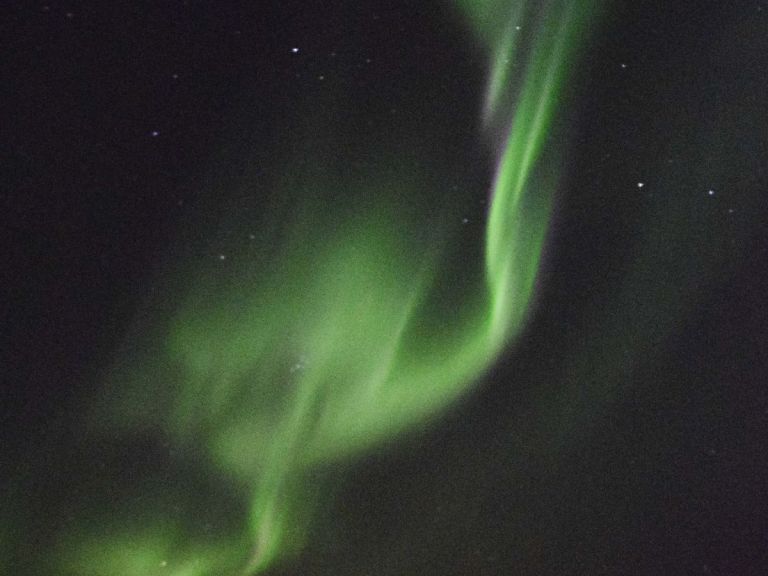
{"x":148,"y":551}
{"x":513,"y":245}
{"x":323,"y":351}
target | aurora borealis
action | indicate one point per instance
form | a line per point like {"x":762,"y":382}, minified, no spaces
{"x":410,"y":295}
{"x":298,"y":364}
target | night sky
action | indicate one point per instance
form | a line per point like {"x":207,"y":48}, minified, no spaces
{"x":384,"y":288}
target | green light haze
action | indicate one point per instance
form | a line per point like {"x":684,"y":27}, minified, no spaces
{"x":324,"y":346}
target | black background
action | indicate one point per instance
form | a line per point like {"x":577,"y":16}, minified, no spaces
{"x":543,"y":470}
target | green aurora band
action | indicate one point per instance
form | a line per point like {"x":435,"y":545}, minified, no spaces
{"x":321,"y":350}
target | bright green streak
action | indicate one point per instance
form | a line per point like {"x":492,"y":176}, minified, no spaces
{"x":513,"y":244}
{"x":325,"y":350}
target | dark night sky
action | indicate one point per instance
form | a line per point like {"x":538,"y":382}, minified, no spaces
{"x":126,"y":126}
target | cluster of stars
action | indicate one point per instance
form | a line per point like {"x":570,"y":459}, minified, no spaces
{"x":710,"y":192}
{"x":321,"y":77}
{"x":223,"y":257}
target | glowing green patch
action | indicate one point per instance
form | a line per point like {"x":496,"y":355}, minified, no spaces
{"x":327,"y":347}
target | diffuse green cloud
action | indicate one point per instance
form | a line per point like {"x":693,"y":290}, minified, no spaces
{"x":320,"y":352}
